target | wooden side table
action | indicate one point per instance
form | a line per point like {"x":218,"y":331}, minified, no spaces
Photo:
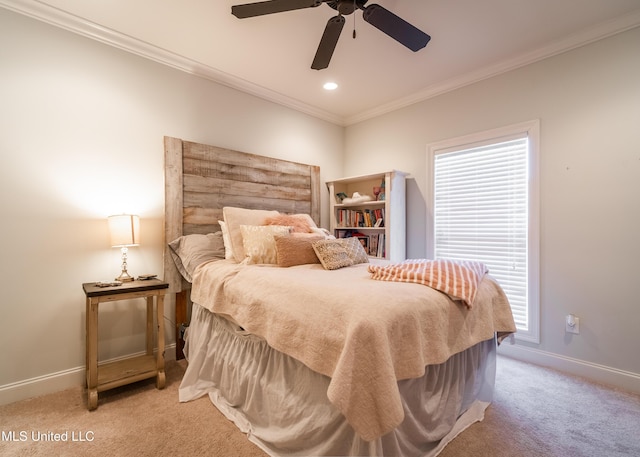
{"x":114,"y":374}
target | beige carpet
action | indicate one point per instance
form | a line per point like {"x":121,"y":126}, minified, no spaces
{"x":134,"y":420}
{"x":536,"y":412}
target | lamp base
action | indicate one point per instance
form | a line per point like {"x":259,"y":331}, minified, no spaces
{"x":124,"y":277}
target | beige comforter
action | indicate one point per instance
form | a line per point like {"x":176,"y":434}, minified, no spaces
{"x":362,"y":333}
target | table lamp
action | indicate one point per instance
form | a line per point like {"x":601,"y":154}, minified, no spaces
{"x":125,"y":232}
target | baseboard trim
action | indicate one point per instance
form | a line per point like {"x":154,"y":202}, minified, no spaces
{"x":620,"y":379}
{"x":66,"y":379}
{"x":61,"y":380}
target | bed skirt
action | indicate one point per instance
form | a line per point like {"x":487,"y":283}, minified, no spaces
{"x":283,"y":407}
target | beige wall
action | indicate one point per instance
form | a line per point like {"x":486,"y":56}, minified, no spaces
{"x":588,"y":103}
{"x":82,"y":128}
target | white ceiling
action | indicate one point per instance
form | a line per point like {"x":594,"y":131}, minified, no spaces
{"x":270,"y":56}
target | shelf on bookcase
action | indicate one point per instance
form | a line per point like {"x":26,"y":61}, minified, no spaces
{"x":367,"y":203}
{"x":359,"y":228}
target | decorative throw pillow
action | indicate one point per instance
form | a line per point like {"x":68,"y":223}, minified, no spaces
{"x":355,"y":250}
{"x":300,"y":223}
{"x":259,"y":243}
{"x":189,"y":251}
{"x":234,"y":218}
{"x":332,"y":254}
{"x":296,"y":250}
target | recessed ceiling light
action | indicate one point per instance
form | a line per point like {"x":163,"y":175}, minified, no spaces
{"x":330,"y":86}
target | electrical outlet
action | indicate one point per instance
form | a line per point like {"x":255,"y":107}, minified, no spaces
{"x":572,"y":324}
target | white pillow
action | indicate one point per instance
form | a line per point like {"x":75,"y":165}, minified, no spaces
{"x":228,"y":248}
{"x":259,"y":242}
{"x":234,"y":218}
{"x":189,"y":251}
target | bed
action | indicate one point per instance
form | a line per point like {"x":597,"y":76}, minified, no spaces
{"x":314,"y":358}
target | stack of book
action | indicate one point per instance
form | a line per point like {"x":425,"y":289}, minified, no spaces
{"x":360,"y":217}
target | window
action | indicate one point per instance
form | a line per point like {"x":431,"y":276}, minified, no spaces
{"x":484,"y":206}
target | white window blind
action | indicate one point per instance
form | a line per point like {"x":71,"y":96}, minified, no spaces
{"x":481,"y":212}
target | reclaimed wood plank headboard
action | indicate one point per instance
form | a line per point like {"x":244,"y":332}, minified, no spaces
{"x":201,"y":179}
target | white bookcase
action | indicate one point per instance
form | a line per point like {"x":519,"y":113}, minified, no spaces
{"x":380,"y":222}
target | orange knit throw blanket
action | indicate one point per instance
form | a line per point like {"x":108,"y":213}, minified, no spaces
{"x":457,"y":278}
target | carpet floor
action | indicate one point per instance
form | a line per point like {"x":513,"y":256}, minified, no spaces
{"x":536,"y":412}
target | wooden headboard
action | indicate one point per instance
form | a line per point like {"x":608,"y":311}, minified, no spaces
{"x":201,"y":179}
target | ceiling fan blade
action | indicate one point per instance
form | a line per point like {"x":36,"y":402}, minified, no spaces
{"x":397,"y":28}
{"x":270,"y":7}
{"x":328,"y":43}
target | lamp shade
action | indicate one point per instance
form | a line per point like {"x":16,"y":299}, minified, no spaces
{"x":125,"y":230}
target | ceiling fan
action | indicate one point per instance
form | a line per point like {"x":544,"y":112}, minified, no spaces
{"x":376,"y":15}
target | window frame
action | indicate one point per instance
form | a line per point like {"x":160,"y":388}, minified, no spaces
{"x":530,"y":129}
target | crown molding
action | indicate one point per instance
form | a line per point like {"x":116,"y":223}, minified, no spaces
{"x":598,"y":32}
{"x":54,"y":16}
{"x":62,"y":19}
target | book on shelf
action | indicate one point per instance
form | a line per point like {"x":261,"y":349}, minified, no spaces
{"x":360,"y":217}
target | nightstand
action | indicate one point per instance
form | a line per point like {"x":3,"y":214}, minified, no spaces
{"x":114,"y":374}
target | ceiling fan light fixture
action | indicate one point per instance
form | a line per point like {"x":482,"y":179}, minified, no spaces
{"x":330,"y":85}
{"x":381,"y":18}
